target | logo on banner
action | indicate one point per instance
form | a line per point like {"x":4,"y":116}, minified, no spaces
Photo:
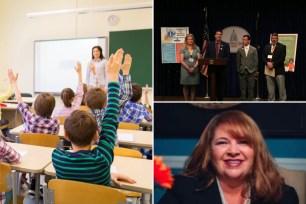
{"x":233,"y":36}
{"x":172,"y":40}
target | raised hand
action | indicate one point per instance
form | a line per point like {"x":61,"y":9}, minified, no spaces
{"x":78,"y":68}
{"x":113,"y":65}
{"x":147,"y":89}
{"x":119,"y":53}
{"x":127,"y":64}
{"x":13,"y":78}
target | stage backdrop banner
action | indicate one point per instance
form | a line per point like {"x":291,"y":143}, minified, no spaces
{"x":290,"y":40}
{"x":233,"y":36}
{"x":172,"y":39}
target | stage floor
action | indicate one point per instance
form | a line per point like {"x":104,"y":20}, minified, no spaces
{"x":181,"y":98}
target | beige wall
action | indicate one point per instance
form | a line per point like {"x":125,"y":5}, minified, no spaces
{"x":18,"y":33}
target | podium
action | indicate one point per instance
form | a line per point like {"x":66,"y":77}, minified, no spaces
{"x":214,"y":64}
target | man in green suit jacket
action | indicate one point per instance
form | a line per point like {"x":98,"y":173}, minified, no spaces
{"x":247,"y":65}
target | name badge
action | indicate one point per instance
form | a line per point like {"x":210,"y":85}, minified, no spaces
{"x":269,"y":56}
{"x":191,"y":59}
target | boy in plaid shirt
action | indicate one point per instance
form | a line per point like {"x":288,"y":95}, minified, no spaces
{"x":41,"y":121}
{"x":134,"y":111}
{"x":38,"y":122}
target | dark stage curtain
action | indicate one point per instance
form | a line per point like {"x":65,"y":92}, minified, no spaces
{"x":273,"y":17}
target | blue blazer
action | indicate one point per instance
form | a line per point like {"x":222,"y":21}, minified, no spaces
{"x":211,"y":50}
{"x":191,"y":190}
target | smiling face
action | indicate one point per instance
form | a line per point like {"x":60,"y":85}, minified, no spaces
{"x":96,"y":53}
{"x":232,"y":157}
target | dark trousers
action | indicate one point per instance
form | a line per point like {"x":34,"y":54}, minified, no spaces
{"x":247,"y":83}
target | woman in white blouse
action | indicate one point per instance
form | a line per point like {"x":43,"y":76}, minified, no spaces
{"x":95,"y":74}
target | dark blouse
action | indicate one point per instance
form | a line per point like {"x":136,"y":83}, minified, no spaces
{"x":191,"y":190}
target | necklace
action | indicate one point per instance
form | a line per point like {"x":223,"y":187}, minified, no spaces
{"x":190,"y":52}
{"x":247,"y":201}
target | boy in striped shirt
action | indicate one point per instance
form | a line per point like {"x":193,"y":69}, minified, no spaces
{"x":84,"y":164}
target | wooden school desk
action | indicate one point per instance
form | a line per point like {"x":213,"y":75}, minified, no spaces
{"x":140,"y":170}
{"x":24,"y":99}
{"x":130,"y":138}
{"x":34,"y":160}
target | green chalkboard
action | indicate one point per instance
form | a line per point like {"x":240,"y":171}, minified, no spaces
{"x":138,"y":43}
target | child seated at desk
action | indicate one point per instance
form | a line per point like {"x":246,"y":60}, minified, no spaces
{"x":134,"y":111}
{"x":7,"y":155}
{"x":95,"y":98}
{"x":40,"y":121}
{"x":71,"y":101}
{"x":83,"y":163}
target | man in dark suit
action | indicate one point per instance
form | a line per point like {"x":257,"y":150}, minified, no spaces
{"x":274,"y":56}
{"x":247,"y":65}
{"x":219,"y":49}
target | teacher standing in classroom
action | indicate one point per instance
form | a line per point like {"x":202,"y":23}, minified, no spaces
{"x":95,"y":73}
{"x":190,"y":74}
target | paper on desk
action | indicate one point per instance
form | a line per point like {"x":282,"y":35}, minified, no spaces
{"x":113,"y":169}
{"x":127,"y":137}
{"x":9,"y":105}
{"x":22,"y":153}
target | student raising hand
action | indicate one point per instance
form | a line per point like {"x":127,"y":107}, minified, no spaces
{"x":113,"y":65}
{"x":78,"y":69}
{"x":127,"y":64}
{"x":147,"y":89}
{"x":13,"y":78}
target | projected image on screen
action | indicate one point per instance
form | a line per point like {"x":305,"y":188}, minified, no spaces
{"x":55,"y":61}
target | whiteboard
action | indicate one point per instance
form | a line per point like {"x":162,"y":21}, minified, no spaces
{"x":54,"y":62}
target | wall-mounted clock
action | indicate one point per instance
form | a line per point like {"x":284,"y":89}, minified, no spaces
{"x":113,"y":20}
